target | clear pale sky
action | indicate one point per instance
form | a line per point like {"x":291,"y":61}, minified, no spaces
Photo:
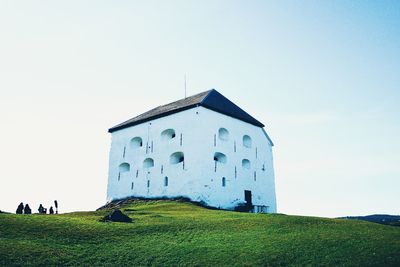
{"x":323,"y":76}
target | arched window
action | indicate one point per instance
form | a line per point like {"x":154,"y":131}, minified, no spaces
{"x":223,"y":182}
{"x":220,"y":157}
{"x":223,"y":134}
{"x":148,"y":163}
{"x":165,"y":181}
{"x":136,"y":142}
{"x":246,"y":164}
{"x":176,"y":158}
{"x":124,"y":167}
{"x":168,"y":134}
{"x":247,"y":141}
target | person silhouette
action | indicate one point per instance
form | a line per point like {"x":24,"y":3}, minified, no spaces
{"x":27,"y":209}
{"x":51,"y":211}
{"x":20,"y":208}
{"x":41,"y":209}
{"x":56,"y":205}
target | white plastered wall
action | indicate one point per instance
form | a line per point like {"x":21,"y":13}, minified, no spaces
{"x":197,"y":179}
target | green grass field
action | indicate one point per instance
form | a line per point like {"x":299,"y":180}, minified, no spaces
{"x":170,"y":233}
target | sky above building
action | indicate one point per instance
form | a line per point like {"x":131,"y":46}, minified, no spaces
{"x":323,"y":76}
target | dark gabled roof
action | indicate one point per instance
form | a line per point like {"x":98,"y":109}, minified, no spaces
{"x":211,"y":99}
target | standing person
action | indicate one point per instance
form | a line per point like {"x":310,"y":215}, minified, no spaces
{"x":27,"y":209}
{"x":51,"y":211}
{"x":56,"y":205}
{"x":41,"y":209}
{"x":20,"y":208}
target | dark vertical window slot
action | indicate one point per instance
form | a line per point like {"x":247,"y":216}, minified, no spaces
{"x":162,"y":169}
{"x":255,"y":176}
{"x":124,"y":152}
{"x":148,"y":183}
{"x":215,"y":166}
{"x":183,"y":165}
{"x":234,"y":146}
{"x":119,"y":176}
{"x":215,"y":140}
{"x":235,"y":172}
{"x":151,"y":146}
{"x":181,"y":140}
{"x":147,"y":147}
{"x":137,"y":173}
{"x":132,"y":186}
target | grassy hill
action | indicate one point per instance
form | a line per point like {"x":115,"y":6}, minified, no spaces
{"x":179,"y":233}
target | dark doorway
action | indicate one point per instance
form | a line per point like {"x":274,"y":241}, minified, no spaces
{"x":247,"y":197}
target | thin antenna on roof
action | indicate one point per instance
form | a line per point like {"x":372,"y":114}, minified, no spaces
{"x":185,"y":85}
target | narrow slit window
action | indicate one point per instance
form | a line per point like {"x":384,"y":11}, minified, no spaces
{"x":151,"y":146}
{"x":148,"y":183}
{"x":223,"y":182}
{"x":215,"y":140}
{"x":119,"y":176}
{"x":165,"y":181}
{"x":132,"y":186}
{"x":137,"y":173}
{"x":181,"y":139}
{"x":162,"y":169}
{"x":255,"y":175}
{"x":235,"y":172}
{"x":123,"y":155}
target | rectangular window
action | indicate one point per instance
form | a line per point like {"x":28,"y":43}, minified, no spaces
{"x":124,"y":152}
{"x":137,"y":173}
{"x":255,"y":176}
{"x":119,"y":176}
{"x":132,"y":186}
{"x":235,"y":172}
{"x":148,"y":183}
{"x":215,"y":167}
{"x":181,"y":141}
{"x":234,"y":146}
{"x":215,"y":140}
{"x":151,"y":146}
{"x":162,"y":169}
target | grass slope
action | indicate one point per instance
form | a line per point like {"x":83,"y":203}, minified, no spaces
{"x":176,"y":233}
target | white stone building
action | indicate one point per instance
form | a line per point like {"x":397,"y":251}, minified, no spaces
{"x":203,"y":147}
